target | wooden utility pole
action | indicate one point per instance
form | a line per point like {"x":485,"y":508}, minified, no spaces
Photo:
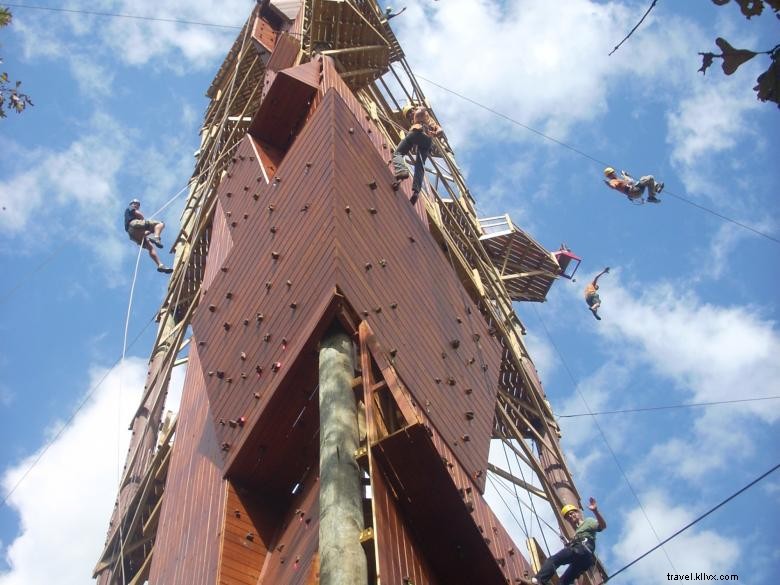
{"x":342,"y":560}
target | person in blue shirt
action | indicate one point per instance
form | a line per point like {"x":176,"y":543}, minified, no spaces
{"x":145,"y":232}
{"x":579,"y":552}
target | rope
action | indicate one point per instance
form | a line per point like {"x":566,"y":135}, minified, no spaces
{"x":119,"y":417}
{"x":667,"y":407}
{"x":594,"y":159}
{"x":119,"y":15}
{"x":603,"y":435}
{"x":67,"y":423}
{"x":687,"y":526}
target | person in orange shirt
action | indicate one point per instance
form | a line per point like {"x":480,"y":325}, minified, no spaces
{"x":592,"y":295}
{"x":632,"y":188}
{"x":421,"y":134}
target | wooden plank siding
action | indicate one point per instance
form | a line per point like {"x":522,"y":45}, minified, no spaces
{"x":320,"y":247}
{"x":188,"y":537}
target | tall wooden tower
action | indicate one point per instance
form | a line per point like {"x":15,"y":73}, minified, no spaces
{"x":349,"y":355}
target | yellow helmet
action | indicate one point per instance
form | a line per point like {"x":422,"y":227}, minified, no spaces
{"x":609,"y":171}
{"x":407,"y":108}
{"x":568,"y":508}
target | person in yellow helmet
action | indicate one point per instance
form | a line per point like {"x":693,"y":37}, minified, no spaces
{"x":632,"y":188}
{"x":579,"y":552}
{"x":421,"y":133}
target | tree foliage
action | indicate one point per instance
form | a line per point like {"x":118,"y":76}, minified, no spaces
{"x":11,"y":98}
{"x":767,"y":86}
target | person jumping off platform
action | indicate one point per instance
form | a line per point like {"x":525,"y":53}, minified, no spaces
{"x":145,"y":232}
{"x":632,"y":188}
{"x":592,"y":295}
{"x":579,"y":552}
{"x":421,"y":134}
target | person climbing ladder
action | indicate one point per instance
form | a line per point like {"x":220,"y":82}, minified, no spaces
{"x":145,"y":232}
{"x":421,"y":133}
{"x":632,"y":188}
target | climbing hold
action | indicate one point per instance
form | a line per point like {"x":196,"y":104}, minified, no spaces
{"x":469,"y":415}
{"x":382,"y":262}
{"x":471,"y":361}
{"x":293,"y":305}
{"x":257,"y":395}
{"x":459,"y":320}
{"x":277,"y":179}
{"x":237,"y":513}
{"x":412,"y":240}
{"x":224,"y":269}
{"x":455,"y":344}
{"x":372,"y":185}
{"x":228,"y":214}
{"x":305,"y":207}
{"x":212,"y":308}
{"x":241,"y":420}
{"x":437,"y":380}
{"x":201,"y":343}
{"x":229,"y":380}
{"x":233,"y":424}
{"x":369,"y":266}
{"x":222,"y":422}
{"x":484,"y":367}
{"x":308,"y":164}
{"x":465,"y":438}
{"x":246,"y":187}
{"x":351,"y":130}
{"x":276,"y":367}
{"x":393,"y":305}
{"x":289,"y":283}
{"x":267,"y":337}
{"x":243,"y":375}
{"x":259,"y":317}
{"x":246,"y":216}
{"x":242,"y":356}
{"x":275,"y":255}
{"x":226,"y":325}
{"x":250,"y":536}
{"x":225,"y":446}
{"x":393,"y":352}
{"x":228,"y":295}
{"x":273,"y":229}
{"x":444,"y":355}
{"x":378,"y":310}
{"x":229,"y":194}
{"x":365,"y":313}
{"x":347,"y":209}
{"x":211,"y":373}
{"x":372,"y":210}
{"x":271,"y":208}
{"x":259,"y":370}
{"x":246,"y":322}
{"x":475,"y":337}
{"x":255,"y":196}
{"x":233,"y":223}
{"x":450,"y":381}
{"x":468,"y":391}
{"x":268,"y":285}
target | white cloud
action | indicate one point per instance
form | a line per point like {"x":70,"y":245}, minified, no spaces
{"x":694,"y":551}
{"x":712,"y":120}
{"x":84,"y":464}
{"x":706,"y":351}
{"x":556,"y":60}
{"x":73,"y":484}
{"x":76,"y":193}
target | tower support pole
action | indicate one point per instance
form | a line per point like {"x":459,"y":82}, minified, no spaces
{"x":342,"y":560}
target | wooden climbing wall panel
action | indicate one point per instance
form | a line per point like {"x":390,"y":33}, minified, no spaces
{"x":289,"y":258}
{"x":188,"y":537}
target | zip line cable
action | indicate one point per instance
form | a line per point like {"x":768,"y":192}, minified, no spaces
{"x":70,"y":419}
{"x":594,"y":159}
{"x":461,"y":96}
{"x":687,"y":526}
{"x":119,"y":15}
{"x":668,"y":407}
{"x":603,"y":435}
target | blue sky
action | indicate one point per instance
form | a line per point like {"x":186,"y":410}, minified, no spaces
{"x":690,"y":308}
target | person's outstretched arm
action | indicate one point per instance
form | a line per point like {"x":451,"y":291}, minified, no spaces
{"x":593,"y":507}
